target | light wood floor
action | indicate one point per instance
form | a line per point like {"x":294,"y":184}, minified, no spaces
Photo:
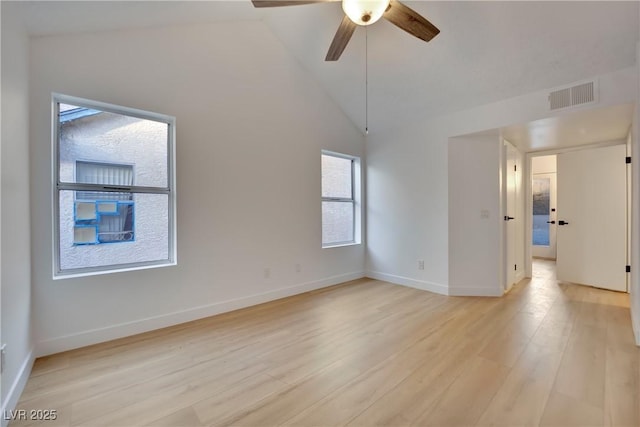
{"x":362,"y":354}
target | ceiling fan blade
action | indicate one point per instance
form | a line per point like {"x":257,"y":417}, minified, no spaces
{"x":276,"y":3}
{"x":340,"y":40}
{"x":410,"y":21}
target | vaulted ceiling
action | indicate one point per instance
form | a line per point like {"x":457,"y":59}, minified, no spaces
{"x":486,"y":51}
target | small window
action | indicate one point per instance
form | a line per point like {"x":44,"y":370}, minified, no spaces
{"x":102,"y":217}
{"x":340,"y":207}
{"x":114,"y":188}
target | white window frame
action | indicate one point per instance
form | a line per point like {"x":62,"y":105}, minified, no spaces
{"x":355,"y":199}
{"x":58,"y":186}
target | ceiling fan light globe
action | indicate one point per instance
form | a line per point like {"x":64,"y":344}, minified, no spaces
{"x":364,"y":12}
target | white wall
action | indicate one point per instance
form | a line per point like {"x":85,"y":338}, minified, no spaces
{"x":15,"y":248}
{"x":543,"y":164}
{"x":475,"y":218}
{"x":407,"y":207}
{"x":250,"y":128}
{"x":407,"y":190}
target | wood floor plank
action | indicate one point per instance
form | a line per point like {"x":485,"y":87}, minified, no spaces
{"x":522,"y":398}
{"x":420,"y":392}
{"x":566,"y":411}
{"x":582,"y":371}
{"x":185,"y":417}
{"x":193,"y":376}
{"x":277,"y":409}
{"x":475,"y":386}
{"x":229,"y":402}
{"x":622,"y":377}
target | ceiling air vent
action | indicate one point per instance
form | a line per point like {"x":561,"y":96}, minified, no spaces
{"x":585,"y":93}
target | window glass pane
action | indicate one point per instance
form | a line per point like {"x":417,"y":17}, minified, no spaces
{"x":541,"y":190}
{"x":90,"y":229}
{"x":336,"y":176}
{"x":105,"y":137}
{"x":337,"y":222}
{"x":104,"y":173}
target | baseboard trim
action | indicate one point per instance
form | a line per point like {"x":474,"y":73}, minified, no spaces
{"x":519,"y":279}
{"x":407,"y":281}
{"x":17,"y":387}
{"x":635,"y":325}
{"x":473,"y":291}
{"x":95,"y":336}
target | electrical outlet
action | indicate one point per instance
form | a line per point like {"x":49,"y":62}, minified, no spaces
{"x":298,"y":268}
{"x":420,"y":264}
{"x":3,"y":355}
{"x":267,"y":273}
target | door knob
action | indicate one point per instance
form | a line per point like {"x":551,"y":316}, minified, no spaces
{"x":507,"y":218}
{"x":551,"y":222}
{"x":563,"y":222}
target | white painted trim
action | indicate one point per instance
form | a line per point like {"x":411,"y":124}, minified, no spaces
{"x":601,"y":144}
{"x":94,"y":336}
{"x":412,"y":283}
{"x":17,"y":387}
{"x":57,"y":186}
{"x":474,"y":291}
{"x":635,"y":324}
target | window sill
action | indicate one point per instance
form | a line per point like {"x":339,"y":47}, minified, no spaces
{"x":340,"y":245}
{"x":96,"y":271}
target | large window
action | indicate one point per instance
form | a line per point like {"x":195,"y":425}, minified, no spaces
{"x":114,"y":181}
{"x":340,"y":190}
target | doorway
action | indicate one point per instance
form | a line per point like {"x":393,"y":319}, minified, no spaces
{"x":587,"y":219}
{"x":543,"y":190}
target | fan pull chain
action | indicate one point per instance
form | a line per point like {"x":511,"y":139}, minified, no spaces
{"x":366,"y":81}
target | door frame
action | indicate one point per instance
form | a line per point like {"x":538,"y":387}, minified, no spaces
{"x":507,"y":275}
{"x":527,"y":171}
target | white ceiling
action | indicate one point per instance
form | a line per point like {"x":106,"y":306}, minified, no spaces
{"x":570,"y":130}
{"x":486,"y":51}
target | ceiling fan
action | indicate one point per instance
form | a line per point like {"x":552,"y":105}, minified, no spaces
{"x":366,"y":12}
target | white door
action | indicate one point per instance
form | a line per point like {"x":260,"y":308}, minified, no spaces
{"x":592,"y":217}
{"x":511,"y":214}
{"x":543,"y":189}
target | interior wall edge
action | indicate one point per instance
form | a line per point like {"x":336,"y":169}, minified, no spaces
{"x":636,"y":327}
{"x":15,"y":391}
{"x":95,"y":336}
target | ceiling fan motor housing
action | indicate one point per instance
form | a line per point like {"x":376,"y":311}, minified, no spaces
{"x":364,"y":12}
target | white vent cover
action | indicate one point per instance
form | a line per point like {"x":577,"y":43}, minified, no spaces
{"x":584,"y":93}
